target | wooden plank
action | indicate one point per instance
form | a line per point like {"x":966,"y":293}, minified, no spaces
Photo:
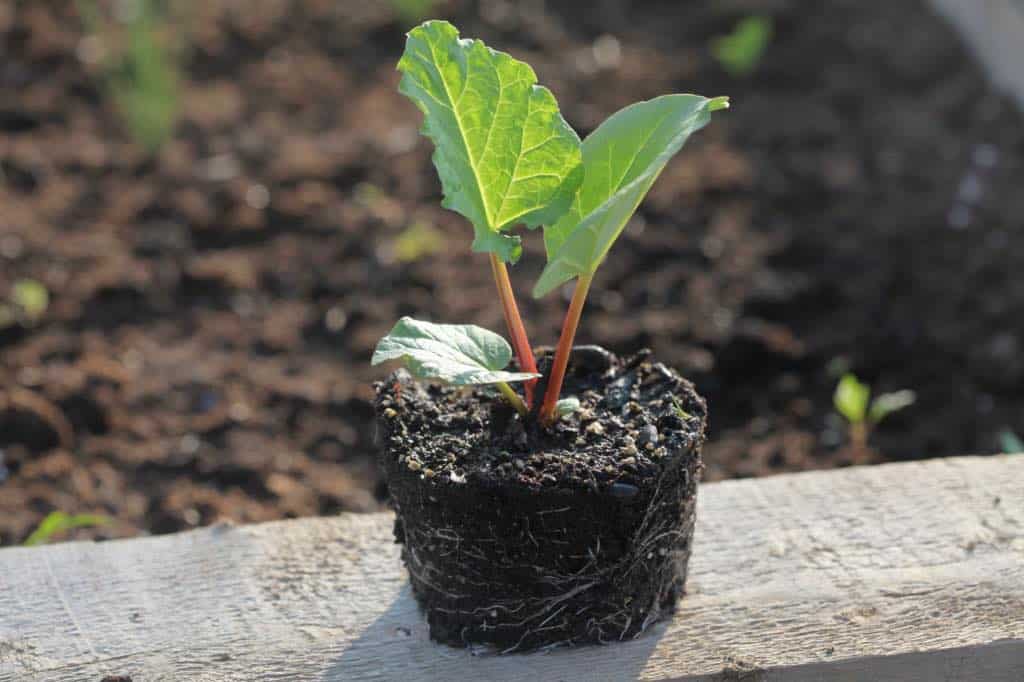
{"x":994,"y":31}
{"x":899,"y":572}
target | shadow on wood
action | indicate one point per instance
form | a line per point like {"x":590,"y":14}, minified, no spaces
{"x":400,"y":634}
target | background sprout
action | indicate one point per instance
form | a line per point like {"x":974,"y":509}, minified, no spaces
{"x":852,"y":400}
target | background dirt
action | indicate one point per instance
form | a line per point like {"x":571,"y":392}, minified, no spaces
{"x":205,"y":353}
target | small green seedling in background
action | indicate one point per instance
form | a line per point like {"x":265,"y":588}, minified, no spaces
{"x":27,"y":302}
{"x":416,"y":241}
{"x":852,"y":400}
{"x":412,"y":12}
{"x":143,"y":76}
{"x":1010,"y":442}
{"x":506,"y":157}
{"x":740,"y":52}
{"x":32,"y":297}
{"x":59,"y":522}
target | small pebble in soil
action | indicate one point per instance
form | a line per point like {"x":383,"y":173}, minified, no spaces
{"x":595,"y":429}
{"x":648,"y":435}
{"x":592,"y":358}
{"x":390,"y":413}
{"x":623,"y":490}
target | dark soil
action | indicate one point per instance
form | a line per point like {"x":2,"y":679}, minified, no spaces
{"x":526,"y":537}
{"x":213,"y":309}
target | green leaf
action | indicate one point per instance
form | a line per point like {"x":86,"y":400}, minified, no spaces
{"x":851,"y":399}
{"x":503,"y":151}
{"x":740,"y":52}
{"x":622,"y":159}
{"x":887,"y":403}
{"x":59,"y":522}
{"x":567,"y":406}
{"x":458,"y":354}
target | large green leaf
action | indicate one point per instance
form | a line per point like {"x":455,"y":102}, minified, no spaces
{"x":459,"y":354}
{"x":622,"y":159}
{"x":503,"y":151}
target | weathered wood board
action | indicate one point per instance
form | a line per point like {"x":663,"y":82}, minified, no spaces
{"x":898,"y":572}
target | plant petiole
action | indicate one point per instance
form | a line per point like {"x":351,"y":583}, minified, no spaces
{"x":516,"y":330}
{"x":513,"y":398}
{"x":564,"y":349}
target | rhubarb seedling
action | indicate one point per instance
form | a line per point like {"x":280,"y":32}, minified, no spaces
{"x":740,"y":51}
{"x":506,"y":157}
{"x":852,"y":399}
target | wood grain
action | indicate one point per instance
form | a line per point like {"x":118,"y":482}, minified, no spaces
{"x":898,"y":572}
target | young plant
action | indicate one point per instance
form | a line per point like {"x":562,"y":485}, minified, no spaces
{"x":852,"y":400}
{"x":142,"y":78}
{"x":740,"y":52}
{"x":28,"y":301}
{"x":59,"y":522}
{"x":506,"y":157}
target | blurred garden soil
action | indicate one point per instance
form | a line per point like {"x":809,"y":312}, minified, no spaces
{"x":204,"y":354}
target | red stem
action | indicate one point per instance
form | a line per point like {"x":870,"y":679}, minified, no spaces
{"x":516,"y":330}
{"x":572,"y":320}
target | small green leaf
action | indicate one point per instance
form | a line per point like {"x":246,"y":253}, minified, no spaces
{"x":680,"y":412}
{"x":1010,"y":442}
{"x":567,"y":406}
{"x":59,"y":522}
{"x":622,"y":159}
{"x":851,"y":399}
{"x":740,"y":52}
{"x":887,"y":403}
{"x":503,"y":151}
{"x":416,"y":241}
{"x":31,"y":296}
{"x":458,"y":354}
